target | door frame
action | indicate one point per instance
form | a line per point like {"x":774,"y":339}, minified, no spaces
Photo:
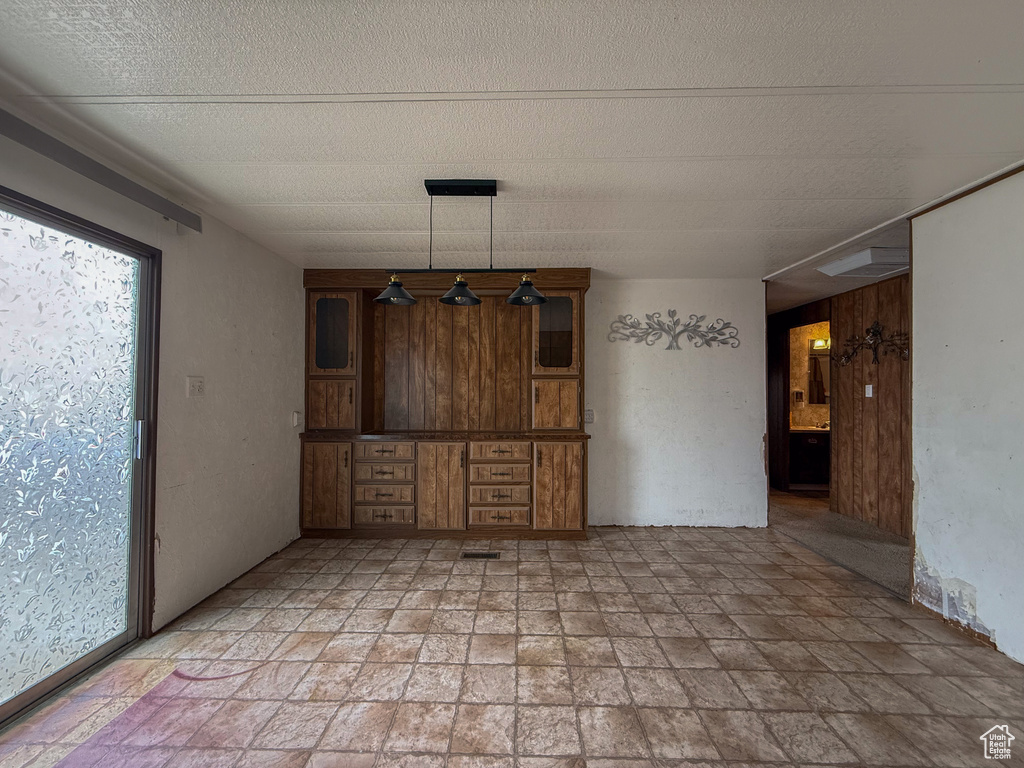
{"x":141,"y":571}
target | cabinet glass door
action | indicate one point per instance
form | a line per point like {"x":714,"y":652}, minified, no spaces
{"x":556,"y":327}
{"x":332,"y":339}
{"x":73,"y":344}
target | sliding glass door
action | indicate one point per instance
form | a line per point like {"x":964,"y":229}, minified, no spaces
{"x":76,"y":349}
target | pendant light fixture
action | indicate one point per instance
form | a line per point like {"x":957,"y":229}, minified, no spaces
{"x":395,"y":294}
{"x":526,"y":295}
{"x":460,"y":294}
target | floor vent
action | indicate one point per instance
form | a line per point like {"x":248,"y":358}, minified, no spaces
{"x":481,"y":555}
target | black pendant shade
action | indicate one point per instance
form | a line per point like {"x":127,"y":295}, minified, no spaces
{"x":395,"y":294}
{"x":460,"y":295}
{"x":526,"y":294}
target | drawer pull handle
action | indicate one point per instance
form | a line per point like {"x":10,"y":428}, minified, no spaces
{"x":501,"y":451}
{"x":350,"y":395}
{"x":501,"y":474}
{"x":346,"y":458}
{"x":380,"y":495}
{"x":498,"y":496}
{"x":382,"y":516}
{"x":384,"y":450}
{"x":462,"y":458}
{"x":501,"y":517}
{"x":384,"y":472}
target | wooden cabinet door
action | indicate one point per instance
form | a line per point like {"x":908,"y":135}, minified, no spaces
{"x":332,"y":332}
{"x":441,"y":485}
{"x":331,"y":404}
{"x":327,"y":485}
{"x":556,"y":334}
{"x":556,"y":403}
{"x":558,"y":486}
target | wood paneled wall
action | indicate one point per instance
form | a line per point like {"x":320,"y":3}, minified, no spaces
{"x":871,"y":475}
{"x":453,"y":368}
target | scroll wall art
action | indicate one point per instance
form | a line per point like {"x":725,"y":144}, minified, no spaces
{"x":698,"y":333}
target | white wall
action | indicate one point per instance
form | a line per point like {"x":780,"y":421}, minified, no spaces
{"x":232,"y":312}
{"x":678,"y":436}
{"x":968,"y":411}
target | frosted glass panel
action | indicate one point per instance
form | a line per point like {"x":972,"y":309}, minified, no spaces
{"x":67,"y":389}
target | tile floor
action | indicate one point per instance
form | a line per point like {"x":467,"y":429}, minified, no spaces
{"x":638,"y":647}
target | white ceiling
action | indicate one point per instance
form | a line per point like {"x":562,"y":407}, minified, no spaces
{"x":710,"y":138}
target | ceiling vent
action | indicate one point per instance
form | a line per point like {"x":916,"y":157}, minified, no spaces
{"x":872,"y":262}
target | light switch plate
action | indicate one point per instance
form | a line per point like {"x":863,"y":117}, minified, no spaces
{"x":869,"y":390}
{"x":195,"y":386}
{"x":588,"y":416}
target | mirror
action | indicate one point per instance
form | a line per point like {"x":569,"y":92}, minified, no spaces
{"x":819,"y":363}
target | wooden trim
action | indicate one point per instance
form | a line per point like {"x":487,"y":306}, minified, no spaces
{"x":973,"y":634}
{"x":442,"y":281}
{"x":908,"y":415}
{"x":976,"y":188}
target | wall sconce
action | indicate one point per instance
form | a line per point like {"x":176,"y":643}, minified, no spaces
{"x":875,"y":339}
{"x":821,"y":344}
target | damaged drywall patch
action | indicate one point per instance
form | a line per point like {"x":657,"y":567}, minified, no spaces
{"x":954,"y":598}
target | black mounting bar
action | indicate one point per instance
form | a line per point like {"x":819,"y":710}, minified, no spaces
{"x":463,"y":271}
{"x":461,"y":188}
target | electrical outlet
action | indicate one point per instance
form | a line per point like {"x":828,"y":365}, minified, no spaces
{"x":588,"y":416}
{"x":195,"y":386}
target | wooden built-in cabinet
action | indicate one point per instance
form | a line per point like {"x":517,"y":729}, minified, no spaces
{"x":434,"y":420}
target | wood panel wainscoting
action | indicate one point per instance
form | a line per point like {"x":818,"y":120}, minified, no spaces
{"x":871,"y":459}
{"x":438,"y":420}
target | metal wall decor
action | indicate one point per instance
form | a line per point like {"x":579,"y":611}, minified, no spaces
{"x":897,"y":343}
{"x":716,"y":333}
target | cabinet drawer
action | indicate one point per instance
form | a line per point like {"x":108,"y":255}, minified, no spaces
{"x":499,"y":516}
{"x":380,"y":473}
{"x":375,"y":450}
{"x":384,"y":515}
{"x":385,"y":494}
{"x":500,"y":451}
{"x":499,"y":473}
{"x":499,"y":494}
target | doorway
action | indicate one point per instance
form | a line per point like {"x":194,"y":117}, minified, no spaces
{"x":77,"y":409}
{"x":838,"y":436}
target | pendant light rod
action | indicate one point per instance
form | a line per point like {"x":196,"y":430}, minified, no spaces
{"x":430,"y":242}
{"x":492,"y":232}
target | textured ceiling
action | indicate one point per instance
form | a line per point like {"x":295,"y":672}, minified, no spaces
{"x":712,"y":138}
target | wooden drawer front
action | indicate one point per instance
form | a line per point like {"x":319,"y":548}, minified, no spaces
{"x":384,"y":515}
{"x":384,"y":473}
{"x":499,"y":516}
{"x":499,"y":473}
{"x":385,"y":494}
{"x":500,"y":451}
{"x":499,"y":494}
{"x":375,"y":450}
{"x":331,"y":405}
